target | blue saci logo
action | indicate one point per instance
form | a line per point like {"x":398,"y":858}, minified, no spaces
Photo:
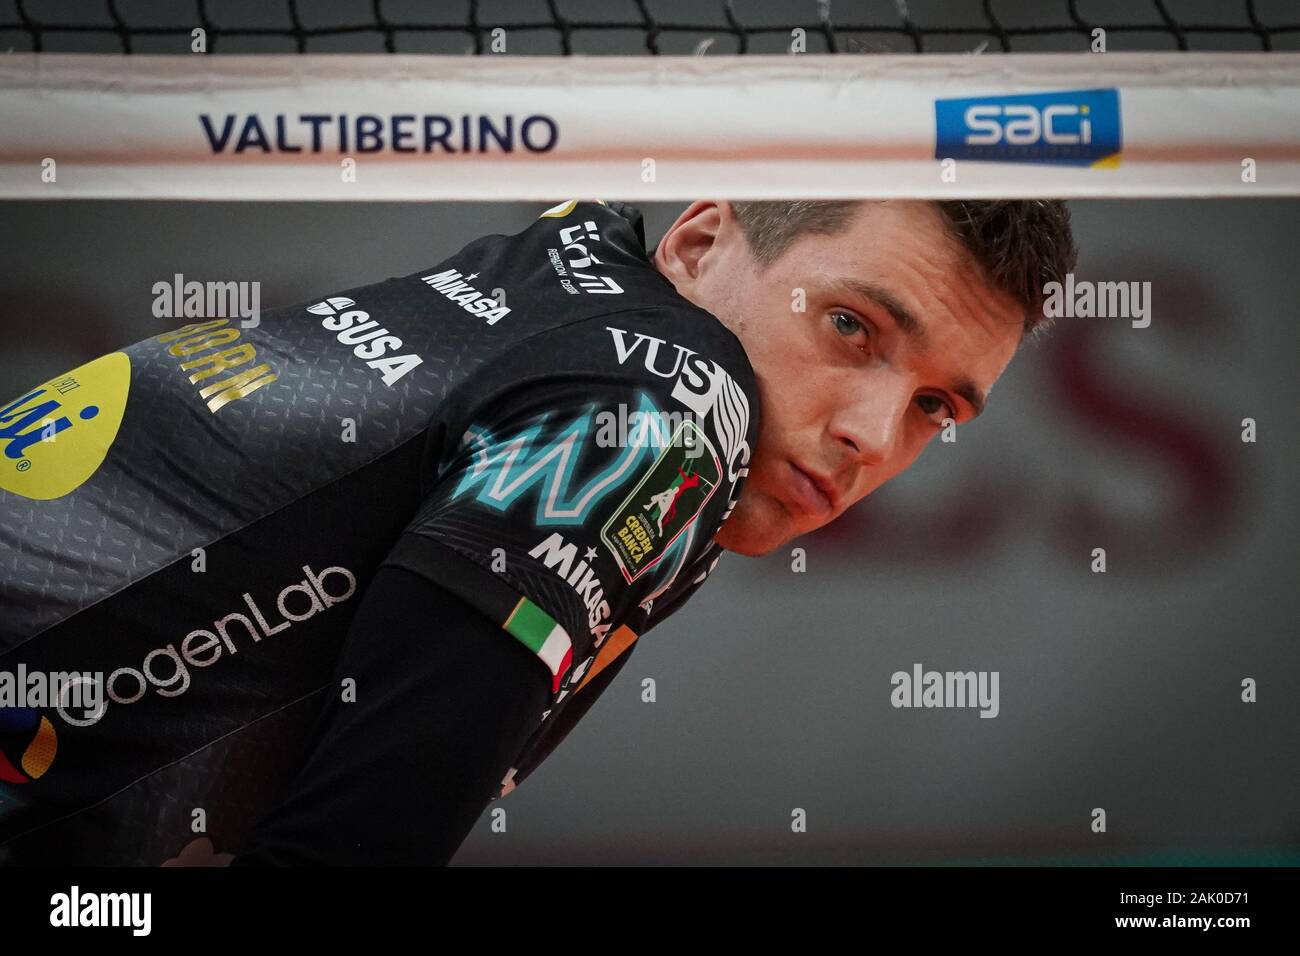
{"x":1071,"y":128}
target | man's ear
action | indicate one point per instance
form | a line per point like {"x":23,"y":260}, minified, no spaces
{"x":681,"y":254}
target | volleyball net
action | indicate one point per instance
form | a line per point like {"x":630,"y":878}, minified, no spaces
{"x":731,"y":100}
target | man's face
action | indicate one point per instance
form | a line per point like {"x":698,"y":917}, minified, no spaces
{"x":898,"y":331}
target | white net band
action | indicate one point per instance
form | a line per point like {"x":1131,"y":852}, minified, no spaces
{"x":399,"y":127}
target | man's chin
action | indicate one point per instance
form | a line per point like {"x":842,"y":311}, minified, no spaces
{"x":740,"y":537}
{"x":746,"y":549}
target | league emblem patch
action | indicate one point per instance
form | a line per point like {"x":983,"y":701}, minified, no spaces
{"x":666,"y":499}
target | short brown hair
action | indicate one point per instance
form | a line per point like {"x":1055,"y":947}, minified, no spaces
{"x":1021,"y":244}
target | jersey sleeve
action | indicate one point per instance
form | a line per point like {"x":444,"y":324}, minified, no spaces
{"x":586,"y":470}
{"x":464,"y":701}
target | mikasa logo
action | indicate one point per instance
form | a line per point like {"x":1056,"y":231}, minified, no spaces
{"x":560,"y":556}
{"x":456,"y":287}
{"x":370,"y":342}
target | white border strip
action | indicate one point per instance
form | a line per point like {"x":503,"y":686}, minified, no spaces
{"x":753,"y":127}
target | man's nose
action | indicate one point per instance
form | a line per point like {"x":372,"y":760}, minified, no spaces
{"x":871,"y":425}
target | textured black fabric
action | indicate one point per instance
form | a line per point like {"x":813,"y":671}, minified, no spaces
{"x":399,"y":777}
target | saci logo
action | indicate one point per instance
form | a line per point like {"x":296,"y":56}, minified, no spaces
{"x":56,"y":436}
{"x":1073,"y":128}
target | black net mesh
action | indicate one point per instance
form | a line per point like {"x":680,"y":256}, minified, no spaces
{"x":710,"y":27}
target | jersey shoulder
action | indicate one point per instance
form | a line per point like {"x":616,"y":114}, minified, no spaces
{"x":585,"y":471}
{"x":635,"y":334}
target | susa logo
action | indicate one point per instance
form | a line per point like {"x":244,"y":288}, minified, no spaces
{"x":54,"y":437}
{"x":1074,"y":128}
{"x":27,"y":744}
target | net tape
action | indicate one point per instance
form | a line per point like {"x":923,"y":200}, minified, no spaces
{"x":128,"y":28}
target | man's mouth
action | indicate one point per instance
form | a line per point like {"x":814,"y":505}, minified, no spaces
{"x":811,"y":494}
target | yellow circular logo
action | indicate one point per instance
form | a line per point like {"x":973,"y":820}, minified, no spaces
{"x":54,"y":437}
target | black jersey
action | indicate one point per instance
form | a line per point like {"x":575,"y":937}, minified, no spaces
{"x":540,"y":424}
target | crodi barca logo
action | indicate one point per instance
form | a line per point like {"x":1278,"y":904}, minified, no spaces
{"x":666,"y":500}
{"x":55,"y":436}
{"x":1072,"y":128}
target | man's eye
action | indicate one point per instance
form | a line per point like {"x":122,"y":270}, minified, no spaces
{"x":849,"y":327}
{"x":936,"y":408}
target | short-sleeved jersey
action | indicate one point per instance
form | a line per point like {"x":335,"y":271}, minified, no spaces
{"x":540,"y":424}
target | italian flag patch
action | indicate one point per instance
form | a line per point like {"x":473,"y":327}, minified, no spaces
{"x":538,"y":632}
